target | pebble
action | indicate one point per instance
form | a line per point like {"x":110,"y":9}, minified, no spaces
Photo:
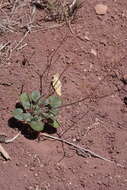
{"x":101,"y":9}
{"x":125,"y":79}
{"x":93,"y":51}
{"x":125,"y":100}
{"x":32,"y":169}
{"x":36,"y":175}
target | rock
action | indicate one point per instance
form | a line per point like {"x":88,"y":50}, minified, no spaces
{"x":101,"y":9}
{"x":125,"y":79}
{"x":32,"y":169}
{"x":36,"y":175}
{"x":125,"y":100}
{"x":93,"y":51}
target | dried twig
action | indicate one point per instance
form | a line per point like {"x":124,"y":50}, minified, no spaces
{"x":3,"y":140}
{"x":80,"y":149}
{"x":73,"y":5}
{"x":22,"y":39}
{"x":12,"y":139}
{"x":44,"y":27}
{"x":2,"y":46}
{"x":4,"y":153}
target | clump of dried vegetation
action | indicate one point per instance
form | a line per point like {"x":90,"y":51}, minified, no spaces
{"x":19,"y":16}
{"x":56,"y":10}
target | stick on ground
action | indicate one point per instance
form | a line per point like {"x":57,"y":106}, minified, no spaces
{"x":83,"y":150}
{"x":6,"y":141}
{"x":4,"y":153}
{"x":2,"y":150}
{"x":12,"y":139}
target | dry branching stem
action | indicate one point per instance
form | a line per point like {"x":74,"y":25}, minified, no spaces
{"x":82,"y":150}
{"x":22,"y":39}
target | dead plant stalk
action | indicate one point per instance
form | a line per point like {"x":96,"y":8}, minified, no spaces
{"x":83,"y":150}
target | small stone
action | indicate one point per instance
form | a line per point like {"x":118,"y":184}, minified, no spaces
{"x":125,"y":79}
{"x":32,"y":169}
{"x":93,"y":51}
{"x":17,"y":164}
{"x":101,"y":9}
{"x":99,"y":182}
{"x":30,"y":187}
{"x":125,"y":100}
{"x":36,"y":175}
{"x":87,"y":38}
{"x":42,"y":165}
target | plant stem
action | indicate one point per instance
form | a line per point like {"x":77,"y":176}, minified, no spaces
{"x":83,"y":150}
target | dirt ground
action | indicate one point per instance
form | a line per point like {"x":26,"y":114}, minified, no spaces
{"x":93,"y":58}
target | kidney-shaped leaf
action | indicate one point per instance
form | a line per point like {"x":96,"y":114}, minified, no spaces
{"x":54,"y":101}
{"x":54,"y":112}
{"x":25,"y":100}
{"x":27,"y":117}
{"x":55,"y":124}
{"x":35,"y":95}
{"x":37,"y":125}
{"x":18,"y":114}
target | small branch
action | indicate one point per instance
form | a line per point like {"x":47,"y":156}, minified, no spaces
{"x":6,"y":141}
{"x":4,"y":45}
{"x":4,"y":153}
{"x":22,"y":39}
{"x":73,"y":5}
{"x":82,"y":150}
{"x":12,"y":139}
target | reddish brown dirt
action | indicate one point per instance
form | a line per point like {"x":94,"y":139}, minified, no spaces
{"x":98,"y":123}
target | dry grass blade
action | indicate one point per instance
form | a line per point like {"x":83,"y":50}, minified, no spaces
{"x":4,"y":153}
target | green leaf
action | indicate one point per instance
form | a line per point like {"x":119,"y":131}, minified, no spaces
{"x":37,"y":118}
{"x":54,"y":123}
{"x":35,"y":96}
{"x":46,"y":115}
{"x":54,"y":112}
{"x":25,"y":100}
{"x":17,"y":111}
{"x":37,"y":109}
{"x":18,"y":114}
{"x":54,"y":101}
{"x":37,"y":125}
{"x":27,"y":117}
{"x":41,"y":101}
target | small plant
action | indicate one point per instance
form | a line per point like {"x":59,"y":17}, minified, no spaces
{"x":37,"y":111}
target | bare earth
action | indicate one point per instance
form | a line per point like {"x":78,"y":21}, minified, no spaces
{"x":95,"y":64}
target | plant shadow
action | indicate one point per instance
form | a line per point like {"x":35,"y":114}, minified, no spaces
{"x":26,"y":130}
